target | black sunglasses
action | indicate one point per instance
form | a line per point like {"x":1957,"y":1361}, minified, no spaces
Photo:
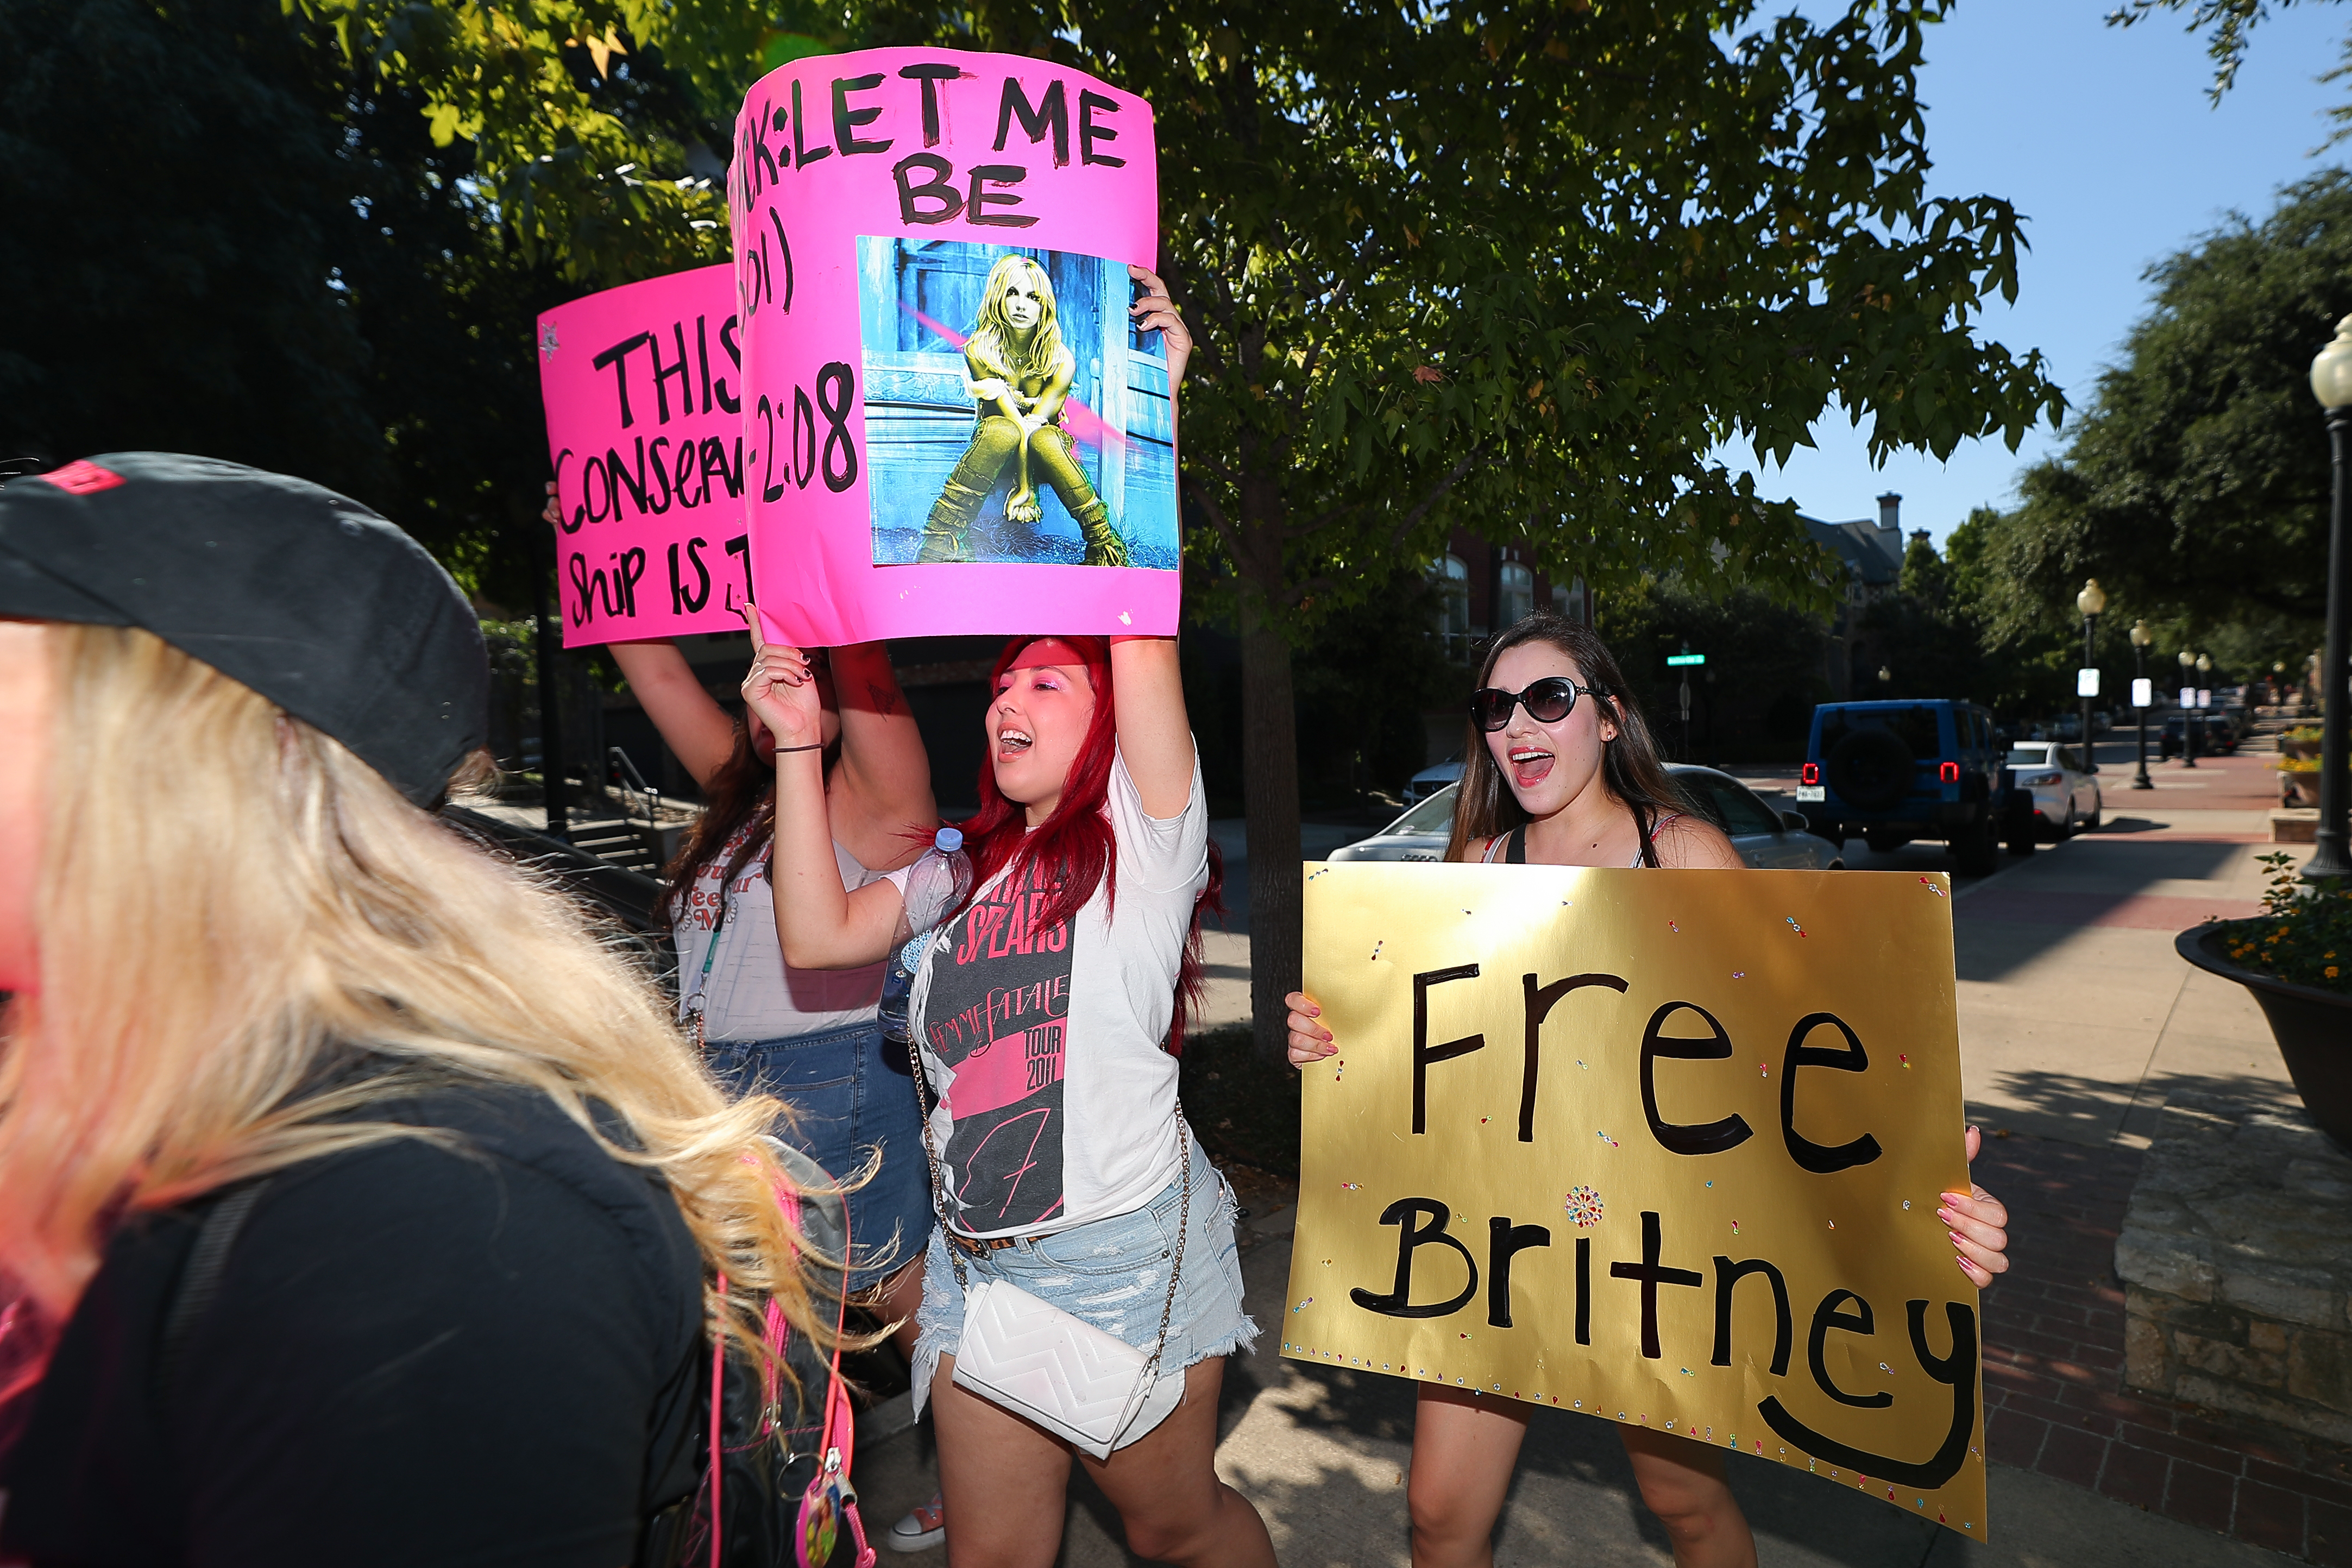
{"x":1547,"y":701}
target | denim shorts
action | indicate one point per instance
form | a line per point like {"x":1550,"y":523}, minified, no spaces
{"x":1111,"y":1273}
{"x":852,"y":1099}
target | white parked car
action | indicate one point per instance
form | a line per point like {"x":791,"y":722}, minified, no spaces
{"x":1766,"y":838}
{"x":2066,"y":796}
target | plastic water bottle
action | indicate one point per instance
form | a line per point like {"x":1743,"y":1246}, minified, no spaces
{"x":935,"y":884}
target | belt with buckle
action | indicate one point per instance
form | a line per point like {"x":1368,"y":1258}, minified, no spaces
{"x":978,"y":1246}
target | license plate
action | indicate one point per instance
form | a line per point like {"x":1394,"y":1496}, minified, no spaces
{"x":1812,"y":792}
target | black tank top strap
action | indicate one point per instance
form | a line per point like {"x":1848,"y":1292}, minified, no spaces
{"x":1516,"y":851}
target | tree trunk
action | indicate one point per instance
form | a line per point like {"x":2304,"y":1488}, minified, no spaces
{"x":1270,"y":794}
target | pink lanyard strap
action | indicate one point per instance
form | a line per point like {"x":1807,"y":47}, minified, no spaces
{"x":838,"y":1440}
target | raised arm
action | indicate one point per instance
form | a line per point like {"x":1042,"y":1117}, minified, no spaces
{"x":1155,"y":737}
{"x":881,"y":791}
{"x":820,"y":924}
{"x":691,"y":722}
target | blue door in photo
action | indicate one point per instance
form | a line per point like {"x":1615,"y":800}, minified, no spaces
{"x":918,"y":301}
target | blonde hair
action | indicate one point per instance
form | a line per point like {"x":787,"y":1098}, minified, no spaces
{"x":992,"y":335}
{"x":227,"y":902}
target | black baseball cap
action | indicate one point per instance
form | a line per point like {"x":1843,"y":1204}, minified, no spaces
{"x":306,"y":596}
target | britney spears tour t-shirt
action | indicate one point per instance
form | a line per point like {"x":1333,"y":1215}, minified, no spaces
{"x":1044,"y":1043}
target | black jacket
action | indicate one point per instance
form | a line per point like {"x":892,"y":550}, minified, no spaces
{"x":418,"y":1355}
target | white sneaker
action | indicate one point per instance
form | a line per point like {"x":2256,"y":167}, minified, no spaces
{"x":922,"y":1530}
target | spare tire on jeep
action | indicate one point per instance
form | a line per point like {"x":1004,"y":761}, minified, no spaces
{"x":1870,"y":769}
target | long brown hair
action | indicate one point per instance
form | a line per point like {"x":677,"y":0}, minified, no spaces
{"x":1631,"y":769}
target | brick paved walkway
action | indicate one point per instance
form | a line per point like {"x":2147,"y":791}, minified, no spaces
{"x":2055,"y":1398}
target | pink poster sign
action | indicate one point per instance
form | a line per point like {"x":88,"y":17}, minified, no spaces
{"x":644,"y":433}
{"x":951,"y":424}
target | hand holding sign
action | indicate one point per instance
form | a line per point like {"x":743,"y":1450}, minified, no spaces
{"x":1156,"y":312}
{"x":781,"y":689}
{"x":1979,"y":1223}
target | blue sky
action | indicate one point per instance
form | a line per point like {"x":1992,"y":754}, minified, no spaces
{"x":2104,"y":139}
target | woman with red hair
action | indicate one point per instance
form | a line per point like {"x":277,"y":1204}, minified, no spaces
{"x":1047,"y":1012}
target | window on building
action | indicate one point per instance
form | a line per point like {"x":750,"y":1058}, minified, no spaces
{"x":1451,"y":578}
{"x":1570,"y":602}
{"x":1515,"y":594}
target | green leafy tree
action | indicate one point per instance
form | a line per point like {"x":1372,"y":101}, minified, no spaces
{"x":176,"y":210}
{"x":586,"y":119}
{"x":245,"y":246}
{"x":1518,"y":267}
{"x":1521,"y":268}
{"x":1754,"y":697}
{"x":2195,"y":488}
{"x":2020,"y":667}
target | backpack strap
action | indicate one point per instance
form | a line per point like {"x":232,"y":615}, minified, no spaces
{"x":200,"y":1280}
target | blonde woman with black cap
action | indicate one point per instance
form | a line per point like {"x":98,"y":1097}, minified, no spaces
{"x":463,"y":1318}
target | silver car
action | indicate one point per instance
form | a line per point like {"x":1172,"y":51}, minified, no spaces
{"x":1766,"y":838}
{"x":1433,"y":778}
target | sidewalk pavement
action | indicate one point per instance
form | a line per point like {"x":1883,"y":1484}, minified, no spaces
{"x":1322,"y":1452}
{"x":2076,"y":1020}
{"x":2077,"y":1017}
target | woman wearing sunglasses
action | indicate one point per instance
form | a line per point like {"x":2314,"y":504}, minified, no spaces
{"x":1562,"y":770}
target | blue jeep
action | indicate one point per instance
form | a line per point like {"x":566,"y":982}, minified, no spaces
{"x":1924,"y":768}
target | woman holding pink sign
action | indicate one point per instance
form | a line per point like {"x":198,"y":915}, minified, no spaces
{"x":809,"y":1037}
{"x":1081,"y":1224}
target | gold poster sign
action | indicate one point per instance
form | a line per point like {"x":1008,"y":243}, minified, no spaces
{"x":1664,"y":1148}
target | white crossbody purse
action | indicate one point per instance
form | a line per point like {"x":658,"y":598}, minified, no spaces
{"x":1039,"y":1361}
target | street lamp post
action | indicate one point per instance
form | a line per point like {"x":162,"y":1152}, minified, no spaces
{"x":2188,"y":706}
{"x":2090,"y":601}
{"x":2140,"y":638}
{"x":2331,"y":382}
{"x":2204,"y":697}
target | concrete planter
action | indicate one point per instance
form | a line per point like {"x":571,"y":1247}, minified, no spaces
{"x":2313,"y":1027}
{"x":2236,"y":1259}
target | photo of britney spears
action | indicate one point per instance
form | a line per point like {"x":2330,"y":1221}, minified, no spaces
{"x":1012,"y":412}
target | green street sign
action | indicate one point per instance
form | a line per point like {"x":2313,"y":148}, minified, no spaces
{"x":1686,"y":658}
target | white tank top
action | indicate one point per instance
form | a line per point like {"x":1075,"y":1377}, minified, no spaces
{"x":748,"y":993}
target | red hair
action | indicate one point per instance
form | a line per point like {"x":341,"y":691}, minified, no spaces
{"x":1076,"y":842}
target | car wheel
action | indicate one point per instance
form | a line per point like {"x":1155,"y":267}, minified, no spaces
{"x":2098,"y":814}
{"x":1883,"y":843}
{"x":1835,"y":865}
{"x":2067,"y":830}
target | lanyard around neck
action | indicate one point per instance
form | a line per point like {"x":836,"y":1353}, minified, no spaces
{"x":701,"y":1001}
